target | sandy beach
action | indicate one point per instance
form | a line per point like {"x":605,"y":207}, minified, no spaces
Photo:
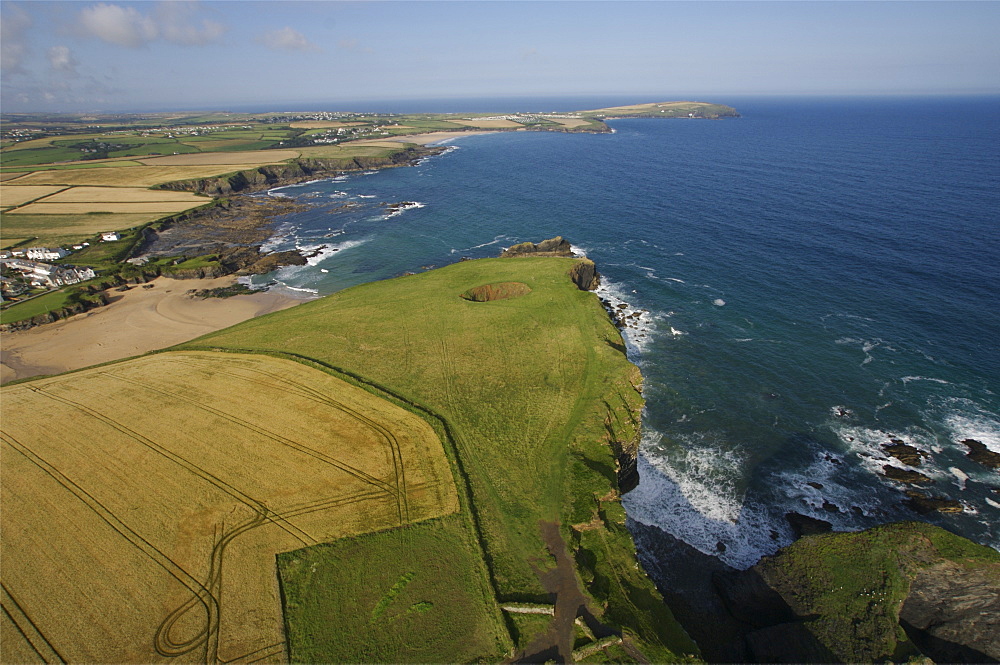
{"x":134,"y":322}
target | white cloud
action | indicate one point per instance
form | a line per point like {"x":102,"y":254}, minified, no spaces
{"x":14,"y":21}
{"x":354,"y":45}
{"x":170,"y":21}
{"x":177,"y":24}
{"x":115,"y":24}
{"x":288,"y":39}
{"x":62,"y":60}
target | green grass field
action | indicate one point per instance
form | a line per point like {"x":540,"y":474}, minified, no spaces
{"x":423,"y":591}
{"x":531,"y":389}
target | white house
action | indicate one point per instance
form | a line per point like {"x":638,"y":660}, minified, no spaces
{"x":110,"y":236}
{"x":45,"y":253}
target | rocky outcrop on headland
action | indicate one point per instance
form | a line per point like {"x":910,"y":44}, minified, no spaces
{"x":584,"y":274}
{"x":557,"y":246}
{"x":849,"y":597}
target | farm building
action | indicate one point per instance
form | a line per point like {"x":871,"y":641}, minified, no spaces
{"x":110,"y":236}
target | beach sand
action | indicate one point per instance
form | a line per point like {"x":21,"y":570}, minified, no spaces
{"x":134,"y":322}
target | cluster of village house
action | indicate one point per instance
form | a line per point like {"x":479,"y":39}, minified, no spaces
{"x":34,"y":272}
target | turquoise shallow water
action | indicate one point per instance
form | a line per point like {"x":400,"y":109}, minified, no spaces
{"x":820,"y":276}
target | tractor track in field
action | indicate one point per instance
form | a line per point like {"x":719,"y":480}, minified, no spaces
{"x":203,"y":597}
{"x":253,"y":504}
{"x":319,"y":397}
{"x":267,"y":434}
{"x":206,"y":596}
{"x":30,"y":631}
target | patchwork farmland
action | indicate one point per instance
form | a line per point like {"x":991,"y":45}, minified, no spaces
{"x":144,"y":501}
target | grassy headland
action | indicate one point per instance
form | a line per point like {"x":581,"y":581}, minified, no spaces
{"x":533,"y":395}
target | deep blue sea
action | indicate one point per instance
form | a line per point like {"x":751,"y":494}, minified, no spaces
{"x":821,"y":276}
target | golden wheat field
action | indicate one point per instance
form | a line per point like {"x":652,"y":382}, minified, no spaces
{"x":249,"y":159}
{"x":144,"y":501}
{"x":60,"y":229}
{"x":126,"y":207}
{"x":119,"y":195}
{"x":16,"y":195}
{"x":126,"y":176}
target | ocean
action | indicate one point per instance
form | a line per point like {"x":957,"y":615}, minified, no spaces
{"x":815,"y":279}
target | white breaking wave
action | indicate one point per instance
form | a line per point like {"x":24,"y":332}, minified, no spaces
{"x":401,"y":209}
{"x":907,"y":379}
{"x":495,"y":241}
{"x":639,"y":325}
{"x":718,"y":302}
{"x":967,"y":420}
{"x":691,"y":494}
{"x":962,"y":476}
{"x":323,"y":252}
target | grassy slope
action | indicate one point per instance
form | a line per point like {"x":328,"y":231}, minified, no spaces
{"x":531,"y":388}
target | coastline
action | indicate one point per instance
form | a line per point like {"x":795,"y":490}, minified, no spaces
{"x":134,"y":322}
{"x":430,"y":138}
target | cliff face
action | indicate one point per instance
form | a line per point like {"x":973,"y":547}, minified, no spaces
{"x":295,"y":171}
{"x":584,"y":274}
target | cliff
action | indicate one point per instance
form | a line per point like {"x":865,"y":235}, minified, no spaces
{"x":893,"y":592}
{"x":294,"y":171}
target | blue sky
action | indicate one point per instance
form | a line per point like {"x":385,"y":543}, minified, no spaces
{"x":121,"y":56}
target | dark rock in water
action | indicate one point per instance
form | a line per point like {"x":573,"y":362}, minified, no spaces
{"x":830,"y":507}
{"x":815,"y":485}
{"x":924,"y":504}
{"x":557,"y":246}
{"x":904,"y":476}
{"x":978,"y":452}
{"x":803,"y":525}
{"x":904,"y":453}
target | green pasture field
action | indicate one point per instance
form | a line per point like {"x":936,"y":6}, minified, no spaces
{"x":34,"y":307}
{"x":531,"y":388}
{"x":421,"y":596}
